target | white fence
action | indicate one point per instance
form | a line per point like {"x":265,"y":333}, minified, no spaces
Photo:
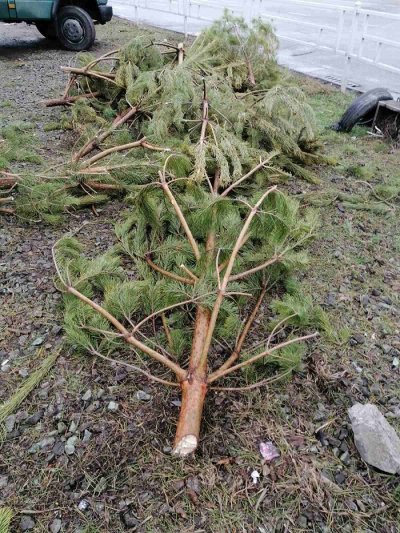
{"x":348,"y":31}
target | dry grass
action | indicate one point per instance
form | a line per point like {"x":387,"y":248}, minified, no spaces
{"x":126,"y":464}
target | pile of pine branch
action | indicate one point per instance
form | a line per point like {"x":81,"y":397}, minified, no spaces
{"x":134,"y":105}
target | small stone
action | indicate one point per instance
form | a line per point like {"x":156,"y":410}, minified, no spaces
{"x":176,"y":403}
{"x":70,"y":445}
{"x":396,"y":362}
{"x":86,"y":397}
{"x":357,"y":338}
{"x":83,"y":505}
{"x":340,"y":478}
{"x":61,"y":427}
{"x":302,"y":522}
{"x":331,"y":299}
{"x":334,"y":442}
{"x":34,"y":419}
{"x":43,"y":394}
{"x":3,"y":482}
{"x":34,"y":448}
{"x":23,"y":372}
{"x":56,"y":525}
{"x":130,"y":520}
{"x":58,"y":448}
{"x":56,"y":330}
{"x":10,"y":423}
{"x":73,"y":427}
{"x":352,"y":505}
{"x":47,"y":441}
{"x":386,"y":348}
{"x":113,"y":406}
{"x":86,"y":436}
{"x":345,"y":458}
{"x":26,"y":523}
{"x":142,"y":395}
{"x":38,"y":341}
{"x":364,"y":300}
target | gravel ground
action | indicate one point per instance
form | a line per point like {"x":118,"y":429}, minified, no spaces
{"x":89,"y":450}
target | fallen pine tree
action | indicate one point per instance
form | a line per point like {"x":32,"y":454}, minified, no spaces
{"x":195,"y":140}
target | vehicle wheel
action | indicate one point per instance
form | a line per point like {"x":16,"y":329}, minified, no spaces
{"x":75,"y":28}
{"x":47,"y":29}
{"x":362,"y":109}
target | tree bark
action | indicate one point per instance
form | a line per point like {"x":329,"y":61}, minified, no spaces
{"x":194,"y":390}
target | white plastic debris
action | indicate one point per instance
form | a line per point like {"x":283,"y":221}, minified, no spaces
{"x":269,"y":451}
{"x":255,"y":476}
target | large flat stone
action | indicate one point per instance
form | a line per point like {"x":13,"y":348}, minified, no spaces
{"x":375,"y":439}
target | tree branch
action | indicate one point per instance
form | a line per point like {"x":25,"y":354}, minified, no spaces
{"x":180,"y":215}
{"x":250,"y":173}
{"x":133,"y":367}
{"x":242,"y":275}
{"x":220,"y":373}
{"x":168,"y":274}
{"x":249,"y":322}
{"x":100,"y":137}
{"x":225,"y":280}
{"x":180,"y":372}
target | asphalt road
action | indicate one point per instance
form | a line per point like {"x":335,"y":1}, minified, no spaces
{"x":304,"y":26}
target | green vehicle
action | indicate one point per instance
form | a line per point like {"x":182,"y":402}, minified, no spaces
{"x":71,"y":22}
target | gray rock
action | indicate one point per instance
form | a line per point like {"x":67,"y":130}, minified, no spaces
{"x":47,"y":441}
{"x":34,"y":448}
{"x":61,"y":427}
{"x":10,"y":423}
{"x":345,"y":458}
{"x":130,"y":520}
{"x":86,"y":436}
{"x":70,"y":445}
{"x":142,"y":395}
{"x":86,"y":397}
{"x":375,"y":439}
{"x":34,"y":419}
{"x":58,"y":448}
{"x":38,"y":341}
{"x":112,"y":406}
{"x":386,"y":348}
{"x":357,"y":338}
{"x":23,"y":372}
{"x":56,"y":525}
{"x":3,"y":482}
{"x":73,"y":427}
{"x":26,"y":523}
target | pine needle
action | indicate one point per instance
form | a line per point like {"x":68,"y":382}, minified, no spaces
{"x":5,"y":519}
{"x":12,"y":404}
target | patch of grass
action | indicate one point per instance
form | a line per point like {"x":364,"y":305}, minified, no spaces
{"x":52,"y":126}
{"x":6,"y":103}
{"x":19,"y":145}
{"x":360,"y":172}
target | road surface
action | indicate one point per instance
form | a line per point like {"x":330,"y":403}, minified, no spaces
{"x":304,"y":25}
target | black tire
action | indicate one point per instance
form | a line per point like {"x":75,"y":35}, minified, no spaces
{"x":75,"y":28}
{"x":362,"y":109}
{"x":47,"y":29}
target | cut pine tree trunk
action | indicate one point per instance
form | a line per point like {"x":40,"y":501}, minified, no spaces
{"x":194,"y":389}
